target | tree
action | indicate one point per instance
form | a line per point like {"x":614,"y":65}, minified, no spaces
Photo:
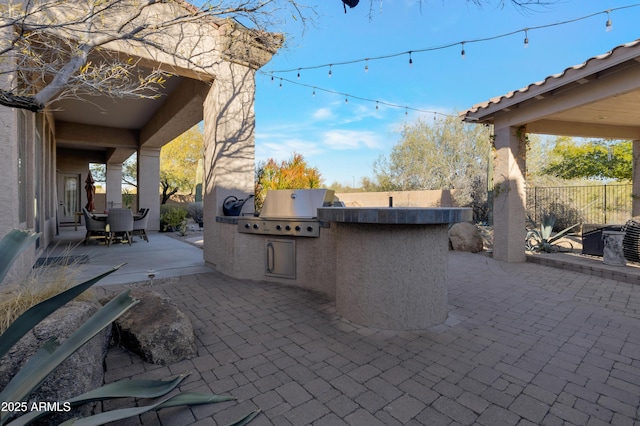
{"x":447,"y":154}
{"x":591,"y":160}
{"x":54,"y":49}
{"x":129,"y":171}
{"x":293,"y":173}
{"x":179,"y":162}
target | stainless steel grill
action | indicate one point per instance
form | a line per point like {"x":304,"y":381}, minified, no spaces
{"x":289,"y":212}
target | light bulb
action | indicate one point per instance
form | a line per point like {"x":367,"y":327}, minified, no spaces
{"x":410,"y":59}
{"x":526,"y":39}
{"x":346,"y":100}
{"x":298,"y":73}
{"x":463,"y":54}
{"x":314,"y":92}
{"x":366,"y":65}
{"x":608,"y":25}
{"x":376,"y":105}
{"x":330,"y":72}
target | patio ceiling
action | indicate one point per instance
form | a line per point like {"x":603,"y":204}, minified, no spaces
{"x":117,"y":127}
{"x":599,"y":98}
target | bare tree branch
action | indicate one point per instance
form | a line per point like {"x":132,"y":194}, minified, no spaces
{"x":54,"y":49}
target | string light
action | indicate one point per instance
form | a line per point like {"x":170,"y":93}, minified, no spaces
{"x":348,"y":95}
{"x":406,"y":112}
{"x":346,"y":99}
{"x":609,"y":27}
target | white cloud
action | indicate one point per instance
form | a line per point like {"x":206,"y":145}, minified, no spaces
{"x":351,"y":139}
{"x":284,"y":149}
{"x":323,"y":114}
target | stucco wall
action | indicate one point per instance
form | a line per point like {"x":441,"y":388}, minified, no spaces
{"x":392,"y":276}
{"x":244,"y":256}
{"x":439,"y":198}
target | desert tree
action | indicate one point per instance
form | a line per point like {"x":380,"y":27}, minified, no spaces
{"x":445,"y":154}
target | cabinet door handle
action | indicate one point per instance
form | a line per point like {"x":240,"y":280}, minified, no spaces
{"x":270,"y":258}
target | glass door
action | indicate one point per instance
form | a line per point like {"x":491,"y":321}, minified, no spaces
{"x":69,"y":202}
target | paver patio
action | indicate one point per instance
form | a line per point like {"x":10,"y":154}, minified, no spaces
{"x":523,"y":344}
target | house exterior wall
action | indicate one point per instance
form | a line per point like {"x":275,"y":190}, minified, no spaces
{"x":27,"y":197}
{"x":229,"y":143}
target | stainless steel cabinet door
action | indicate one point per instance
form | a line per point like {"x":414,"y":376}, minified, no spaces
{"x":281,"y":258}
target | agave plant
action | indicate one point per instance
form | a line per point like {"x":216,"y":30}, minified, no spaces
{"x":52,"y":354}
{"x":539,"y":240}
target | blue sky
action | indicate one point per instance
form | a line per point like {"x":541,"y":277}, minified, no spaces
{"x":343,"y":139}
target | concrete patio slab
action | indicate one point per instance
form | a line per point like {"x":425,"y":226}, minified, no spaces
{"x":163,"y":256}
{"x":522,"y":344}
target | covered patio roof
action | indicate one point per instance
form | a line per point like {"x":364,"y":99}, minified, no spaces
{"x":598,"y":98}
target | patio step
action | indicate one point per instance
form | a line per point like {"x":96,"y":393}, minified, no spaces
{"x":590,"y":265}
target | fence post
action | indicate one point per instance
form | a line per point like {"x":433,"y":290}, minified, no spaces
{"x":605,"y":203}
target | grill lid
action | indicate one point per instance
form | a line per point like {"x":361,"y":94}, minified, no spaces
{"x":295,"y":203}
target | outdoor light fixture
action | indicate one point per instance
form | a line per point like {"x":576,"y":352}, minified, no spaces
{"x":526,"y":38}
{"x":330,"y":73}
{"x":608,"y":26}
{"x":463,"y":54}
{"x":366,"y":65}
{"x":350,"y":3}
{"x":410,"y":59}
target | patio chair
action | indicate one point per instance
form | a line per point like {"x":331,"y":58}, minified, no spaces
{"x":95,"y":227}
{"x":120,"y":223}
{"x":140,"y":224}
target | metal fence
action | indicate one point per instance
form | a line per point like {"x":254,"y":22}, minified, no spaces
{"x":606,"y":204}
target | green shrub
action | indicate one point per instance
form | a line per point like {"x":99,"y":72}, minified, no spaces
{"x":196,"y":212}
{"x":173,"y":219}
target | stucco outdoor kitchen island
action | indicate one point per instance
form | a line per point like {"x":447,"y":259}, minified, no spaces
{"x":391,"y":264}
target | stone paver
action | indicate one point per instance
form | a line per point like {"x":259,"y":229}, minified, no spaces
{"x":523,"y":344}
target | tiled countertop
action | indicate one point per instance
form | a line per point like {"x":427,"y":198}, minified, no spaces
{"x":396,"y":215}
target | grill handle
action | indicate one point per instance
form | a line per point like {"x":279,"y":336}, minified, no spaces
{"x":270,"y":258}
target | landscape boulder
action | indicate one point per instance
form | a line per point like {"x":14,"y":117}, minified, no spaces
{"x":79,"y":373}
{"x":156,"y":329}
{"x":465,"y":236}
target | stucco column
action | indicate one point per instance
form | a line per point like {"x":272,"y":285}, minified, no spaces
{"x":114,"y":185}
{"x":229,"y":125}
{"x":635,"y":191}
{"x":149,"y":185}
{"x":509,"y":195}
